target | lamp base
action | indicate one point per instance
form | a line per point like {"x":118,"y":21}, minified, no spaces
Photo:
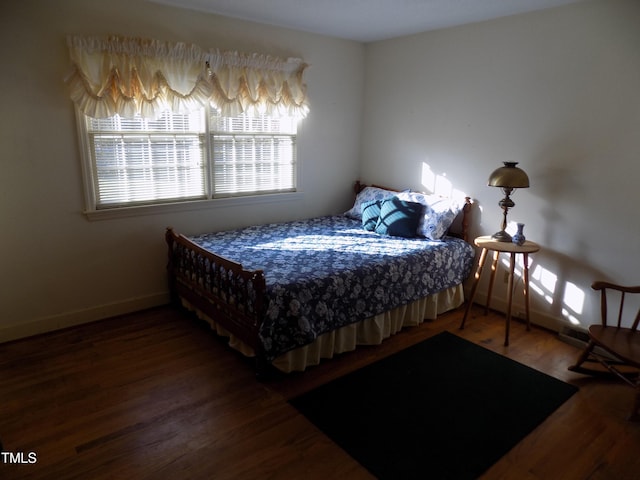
{"x":502,"y":236}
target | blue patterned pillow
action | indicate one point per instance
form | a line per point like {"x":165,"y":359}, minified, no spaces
{"x":366,"y":195}
{"x":438,"y":215}
{"x":399,"y":218}
{"x":370,"y":214}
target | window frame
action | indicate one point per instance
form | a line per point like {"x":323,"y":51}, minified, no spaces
{"x":92,"y":212}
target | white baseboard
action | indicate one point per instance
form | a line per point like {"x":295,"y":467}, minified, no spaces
{"x":537,"y":317}
{"x":78,"y":317}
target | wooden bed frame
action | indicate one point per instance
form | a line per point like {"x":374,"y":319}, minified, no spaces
{"x":227,"y":293}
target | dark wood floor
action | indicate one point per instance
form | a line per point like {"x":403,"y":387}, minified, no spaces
{"x":156,"y":395}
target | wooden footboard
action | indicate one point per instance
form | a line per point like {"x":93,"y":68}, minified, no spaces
{"x":230,"y":295}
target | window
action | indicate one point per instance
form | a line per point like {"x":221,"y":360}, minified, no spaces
{"x":181,"y":157}
{"x":140,"y":148}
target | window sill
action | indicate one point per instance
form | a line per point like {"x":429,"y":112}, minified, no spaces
{"x":141,"y":210}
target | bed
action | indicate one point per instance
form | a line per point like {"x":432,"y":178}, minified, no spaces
{"x":294,"y":293}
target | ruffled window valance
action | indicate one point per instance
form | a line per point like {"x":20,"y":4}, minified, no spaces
{"x":130,"y":76}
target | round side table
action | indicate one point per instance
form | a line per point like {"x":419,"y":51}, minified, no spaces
{"x":489,"y":244}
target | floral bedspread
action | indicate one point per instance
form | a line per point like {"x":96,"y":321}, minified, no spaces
{"x":324,"y":273}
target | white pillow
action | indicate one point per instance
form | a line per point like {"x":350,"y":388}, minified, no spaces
{"x":439,"y":213}
{"x":368,"y":194}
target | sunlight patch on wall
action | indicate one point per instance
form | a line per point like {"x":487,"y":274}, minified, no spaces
{"x":428,"y":178}
{"x":439,"y":184}
{"x":573,"y":302}
{"x":544,"y":284}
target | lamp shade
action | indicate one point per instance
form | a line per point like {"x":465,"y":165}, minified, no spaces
{"x":509,"y":176}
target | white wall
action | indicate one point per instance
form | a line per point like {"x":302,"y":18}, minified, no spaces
{"x":557,"y":91}
{"x":58,"y":268}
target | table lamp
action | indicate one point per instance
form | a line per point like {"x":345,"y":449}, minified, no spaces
{"x":507,"y":178}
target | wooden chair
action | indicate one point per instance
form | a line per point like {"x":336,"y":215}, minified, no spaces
{"x":615,"y":347}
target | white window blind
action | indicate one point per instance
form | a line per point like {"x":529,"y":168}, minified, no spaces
{"x":181,"y":157}
{"x":253,"y":154}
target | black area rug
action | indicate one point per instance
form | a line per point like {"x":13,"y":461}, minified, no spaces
{"x":442,"y":409}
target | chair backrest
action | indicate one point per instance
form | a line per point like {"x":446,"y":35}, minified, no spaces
{"x":607,"y":292}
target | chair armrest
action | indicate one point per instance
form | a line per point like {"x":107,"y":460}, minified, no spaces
{"x":600,"y":285}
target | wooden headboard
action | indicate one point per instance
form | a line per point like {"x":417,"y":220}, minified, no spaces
{"x":466,"y":209}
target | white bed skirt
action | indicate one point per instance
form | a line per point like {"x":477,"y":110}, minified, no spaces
{"x":371,"y":331}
